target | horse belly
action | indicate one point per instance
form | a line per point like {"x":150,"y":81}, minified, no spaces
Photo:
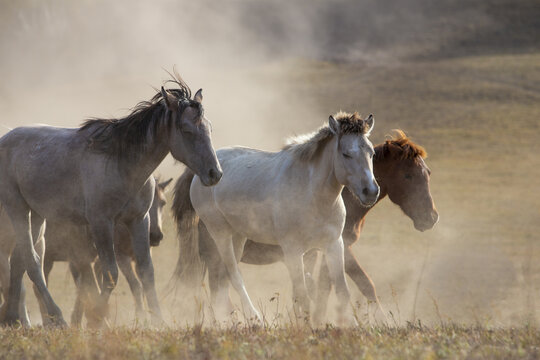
{"x":252,"y":220}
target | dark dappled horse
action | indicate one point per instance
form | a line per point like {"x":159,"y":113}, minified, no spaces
{"x":401,"y":173}
{"x":290,"y":198}
{"x":87,"y":176}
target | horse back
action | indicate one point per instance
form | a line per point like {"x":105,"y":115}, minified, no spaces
{"x":265,"y":197}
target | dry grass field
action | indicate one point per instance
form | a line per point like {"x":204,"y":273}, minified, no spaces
{"x":466,"y":289}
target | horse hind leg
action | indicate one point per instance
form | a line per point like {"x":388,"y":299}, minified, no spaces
{"x":218,"y":281}
{"x":47,"y":267}
{"x":25,"y":258}
{"x":229,"y":247}
{"x":34,"y":270}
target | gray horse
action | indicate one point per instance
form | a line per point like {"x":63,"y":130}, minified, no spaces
{"x":291,"y":198}
{"x":87,"y":176}
{"x":72,"y":244}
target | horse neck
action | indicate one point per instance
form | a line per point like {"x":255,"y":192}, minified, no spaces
{"x":383,"y":174}
{"x":323,"y":182}
{"x":154,"y":153}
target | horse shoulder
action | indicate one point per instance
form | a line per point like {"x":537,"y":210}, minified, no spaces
{"x":139,"y":205}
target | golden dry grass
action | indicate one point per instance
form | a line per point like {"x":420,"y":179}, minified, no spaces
{"x":411,"y":342}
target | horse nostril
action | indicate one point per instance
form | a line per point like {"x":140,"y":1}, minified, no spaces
{"x":211,"y":173}
{"x":365,"y":191}
{"x":156,"y":238}
{"x":435,"y":216}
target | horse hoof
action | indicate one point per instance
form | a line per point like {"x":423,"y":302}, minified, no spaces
{"x":56,"y":322}
{"x":255,"y":318}
{"x":157,"y":321}
{"x":10,"y":321}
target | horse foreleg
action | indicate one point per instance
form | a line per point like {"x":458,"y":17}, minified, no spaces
{"x":102,"y":230}
{"x":89,"y":292}
{"x":310,"y":258}
{"x":78,"y":307}
{"x":336,"y":268}
{"x":324,"y":286}
{"x":124,"y":263}
{"x":295,"y":265}
{"x":364,"y":283}
{"x":139,"y":230}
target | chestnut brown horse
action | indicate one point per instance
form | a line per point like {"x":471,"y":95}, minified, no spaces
{"x":402,"y":175}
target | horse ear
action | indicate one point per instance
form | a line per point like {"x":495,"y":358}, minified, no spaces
{"x":165,"y":183}
{"x":370,"y":121}
{"x":333,"y":124}
{"x":198,"y":96}
{"x":167,"y":98}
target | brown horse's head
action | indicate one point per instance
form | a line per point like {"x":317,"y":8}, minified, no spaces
{"x":156,"y":210}
{"x":402,"y":174}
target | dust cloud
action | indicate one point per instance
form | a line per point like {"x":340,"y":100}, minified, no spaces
{"x":270,"y":70}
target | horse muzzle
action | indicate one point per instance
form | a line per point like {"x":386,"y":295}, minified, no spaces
{"x":428,"y":223}
{"x":212,"y":177}
{"x":155,"y":238}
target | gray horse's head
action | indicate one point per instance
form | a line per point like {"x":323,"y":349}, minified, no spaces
{"x":189,"y":137}
{"x":156,"y":211}
{"x":353,"y":161}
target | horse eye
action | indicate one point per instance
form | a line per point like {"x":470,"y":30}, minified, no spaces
{"x":347,"y":156}
{"x":408,"y":176}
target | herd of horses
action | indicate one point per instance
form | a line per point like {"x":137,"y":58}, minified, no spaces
{"x":88,"y":196}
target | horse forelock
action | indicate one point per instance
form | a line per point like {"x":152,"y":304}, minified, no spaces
{"x":351,"y":123}
{"x":126,"y":138}
{"x":406,"y":148}
{"x":308,"y":146}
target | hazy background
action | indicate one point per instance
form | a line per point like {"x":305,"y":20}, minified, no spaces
{"x":462,"y":77}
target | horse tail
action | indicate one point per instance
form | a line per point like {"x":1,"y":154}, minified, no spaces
{"x":189,"y":269}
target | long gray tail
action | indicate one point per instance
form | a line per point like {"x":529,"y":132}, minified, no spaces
{"x":189,"y":268}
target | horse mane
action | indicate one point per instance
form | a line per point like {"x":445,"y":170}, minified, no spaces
{"x":126,"y":138}
{"x":407,"y":149}
{"x":309,"y":146}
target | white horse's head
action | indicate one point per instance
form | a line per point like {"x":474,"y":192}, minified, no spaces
{"x":353,"y":160}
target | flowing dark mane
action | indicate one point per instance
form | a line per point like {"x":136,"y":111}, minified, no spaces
{"x":126,"y":138}
{"x":407,"y":149}
{"x":308,"y":147}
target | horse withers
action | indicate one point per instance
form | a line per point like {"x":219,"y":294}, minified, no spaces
{"x":86,"y":176}
{"x":290,"y":198}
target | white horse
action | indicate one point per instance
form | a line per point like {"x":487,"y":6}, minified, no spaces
{"x":290,"y":198}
